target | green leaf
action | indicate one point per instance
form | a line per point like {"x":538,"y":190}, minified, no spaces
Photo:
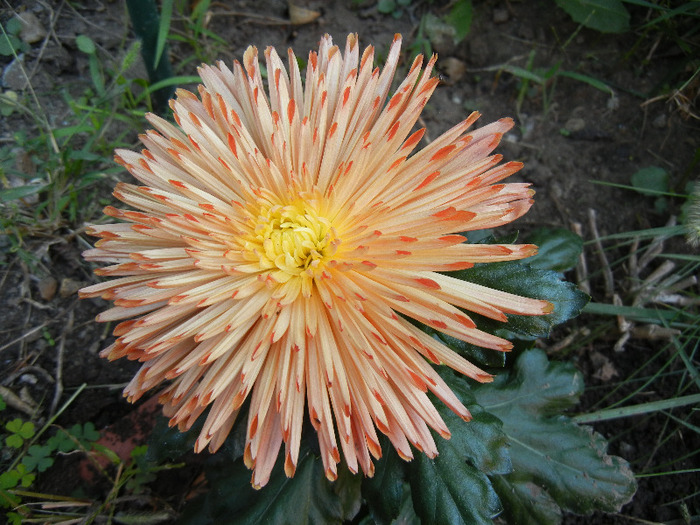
{"x":386,"y":7}
{"x":384,"y":492}
{"x":13,"y":26}
{"x":61,"y":442}
{"x":449,"y":490}
{"x":480,"y":441}
{"x":9,"y":479}
{"x":526,"y":502}
{"x":166,"y":13}
{"x":90,"y":433}
{"x":19,"y":192}
{"x":38,"y":458}
{"x":586,"y":79}
{"x":460,"y":17}
{"x":85,"y":434}
{"x":14,"y":518}
{"x":9,"y":44}
{"x":453,"y":487}
{"x":14,"y":441}
{"x":85,"y":44}
{"x":652,"y":180}
{"x":21,"y":430}
{"x":3,"y":405}
{"x":520,"y":278}
{"x":169,"y":444}
{"x":559,"y":249}
{"x":567,"y":461}
{"x":606,"y":16}
{"x":308,"y":497}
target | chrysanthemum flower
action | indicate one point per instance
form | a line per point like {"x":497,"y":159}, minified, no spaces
{"x":282,"y":240}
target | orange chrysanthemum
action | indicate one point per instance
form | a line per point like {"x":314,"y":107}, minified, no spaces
{"x":281,"y":241}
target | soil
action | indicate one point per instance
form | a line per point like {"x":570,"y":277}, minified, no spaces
{"x":577,"y":142}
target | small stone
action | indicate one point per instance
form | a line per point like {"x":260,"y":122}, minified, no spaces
{"x":575,"y":124}
{"x":57,"y":59}
{"x":454,"y":70}
{"x":660,"y":121}
{"x":69,"y":287}
{"x":47,"y":288}
{"x":29,"y":379}
{"x":500,"y":15}
{"x":13,"y":76}
{"x":32,"y":31}
{"x":299,"y":15}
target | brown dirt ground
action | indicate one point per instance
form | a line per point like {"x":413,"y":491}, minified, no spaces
{"x":610,"y":138}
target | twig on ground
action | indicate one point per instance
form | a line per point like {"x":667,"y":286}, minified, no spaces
{"x":623,"y":325}
{"x":655,"y":247}
{"x":605,"y":266}
{"x":14,"y":401}
{"x":58,"y":387}
{"x":582,"y":266}
{"x":23,"y":336}
{"x":573,"y":336}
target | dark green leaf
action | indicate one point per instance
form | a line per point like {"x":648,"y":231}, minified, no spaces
{"x":85,"y":434}
{"x":38,"y":458}
{"x":526,"y":502}
{"x":480,"y":441}
{"x":9,"y":45}
{"x":559,"y":249}
{"x":169,"y":444}
{"x":519,"y":278}
{"x":166,"y":13}
{"x":14,"y":518}
{"x":606,"y":16}
{"x":13,"y":26}
{"x":19,"y":192}
{"x":386,"y":6}
{"x":568,"y":461}
{"x":449,"y":490}
{"x":308,"y":497}
{"x":62,"y":442}
{"x":651,"y":181}
{"x":384,"y":492}
{"x":454,"y":488}
{"x":460,"y":17}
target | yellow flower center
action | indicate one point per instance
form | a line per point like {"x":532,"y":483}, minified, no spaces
{"x":293,"y":239}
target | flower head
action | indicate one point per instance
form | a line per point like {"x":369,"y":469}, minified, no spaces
{"x":282,"y":239}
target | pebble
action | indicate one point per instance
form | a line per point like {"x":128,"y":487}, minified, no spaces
{"x":500,"y":15}
{"x":32,"y":31}
{"x":660,"y":121}
{"x":69,"y":287}
{"x":575,"y":124}
{"x":454,"y":68}
{"x":47,"y":288}
{"x":13,"y":76}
